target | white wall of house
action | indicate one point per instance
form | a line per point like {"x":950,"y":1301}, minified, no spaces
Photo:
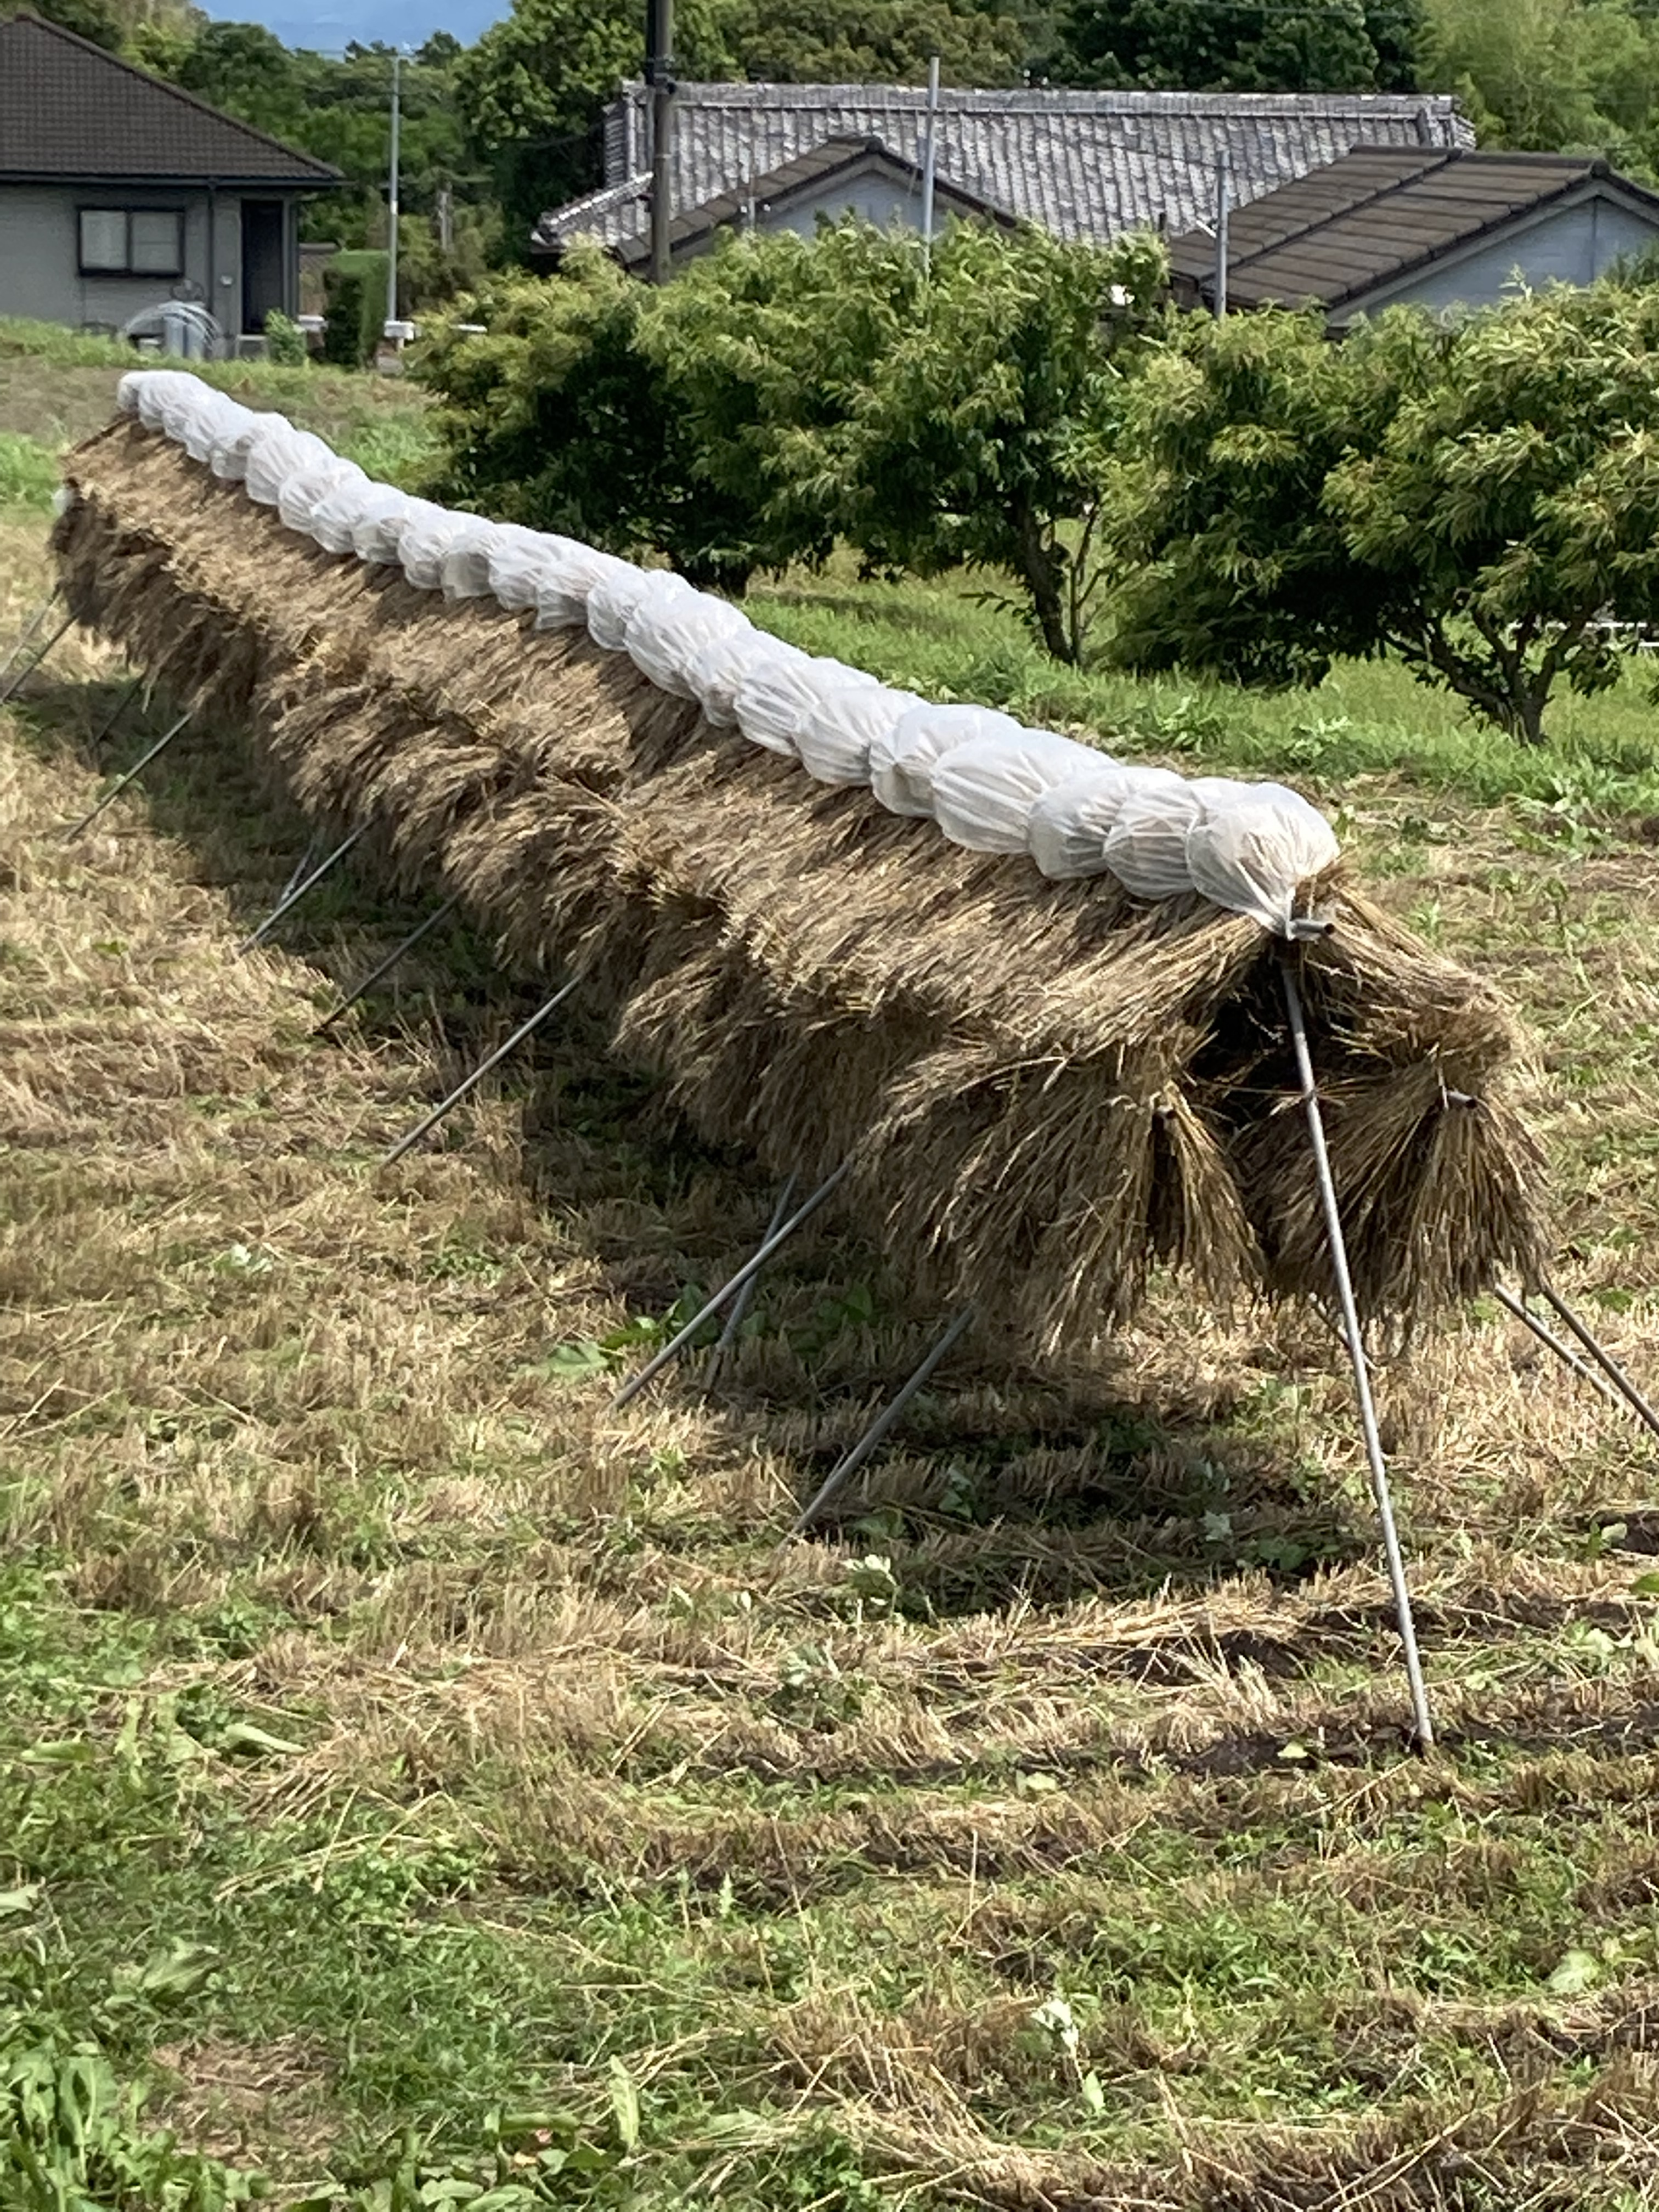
{"x":39,"y":254}
{"x":879,"y":200}
{"x":1564,"y":245}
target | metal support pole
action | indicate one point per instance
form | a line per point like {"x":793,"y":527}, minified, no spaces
{"x":1603,"y":1359}
{"x":129,"y":692}
{"x":880,"y":1429}
{"x":118,"y":787}
{"x":386,"y":966}
{"x":660,"y":75}
{"x":301,"y":866}
{"x":740,"y":1307}
{"x":26,"y":667}
{"x":1563,"y":1353}
{"x":1223,"y":212}
{"x":746,"y":1273}
{"x":1362,"y":1381}
{"x":392,"y":187}
{"x":444,"y":1106}
{"x":291,"y":898}
{"x":30,"y":627}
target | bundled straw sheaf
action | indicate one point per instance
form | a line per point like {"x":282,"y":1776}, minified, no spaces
{"x":1047,"y":1087}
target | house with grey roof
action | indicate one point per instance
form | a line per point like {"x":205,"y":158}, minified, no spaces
{"x":1389,"y":226}
{"x":120,"y":192}
{"x":1086,"y":165}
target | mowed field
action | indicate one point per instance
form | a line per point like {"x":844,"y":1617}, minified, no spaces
{"x":433,"y":1787}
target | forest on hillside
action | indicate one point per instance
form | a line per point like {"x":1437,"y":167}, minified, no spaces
{"x":496,"y":131}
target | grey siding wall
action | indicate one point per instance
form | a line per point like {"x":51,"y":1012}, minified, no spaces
{"x":1570,"y":246}
{"x":39,"y":255}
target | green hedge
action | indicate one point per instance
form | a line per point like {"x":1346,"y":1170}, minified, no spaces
{"x":354,"y":303}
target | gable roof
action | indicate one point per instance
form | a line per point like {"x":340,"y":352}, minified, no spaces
{"x":1082,"y":164}
{"x":836,"y":162}
{"x":69,"y":110}
{"x":1378,"y":214}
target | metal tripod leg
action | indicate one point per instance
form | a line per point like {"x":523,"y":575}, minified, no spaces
{"x":291,"y":898}
{"x":132,"y":774}
{"x":444,"y":1106}
{"x":386,"y":966}
{"x":1545,"y":1335}
{"x":1362,"y":1381}
{"x":740,"y":1306}
{"x":1603,"y":1359}
{"x":882,"y":1427}
{"x":19,"y":651}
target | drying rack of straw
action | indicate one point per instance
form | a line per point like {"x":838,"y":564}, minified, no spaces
{"x":1036,"y":1092}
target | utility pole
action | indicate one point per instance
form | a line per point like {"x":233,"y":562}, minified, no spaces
{"x":660,"y":75}
{"x":1223,"y":208}
{"x":391,"y":193}
{"x":929,"y":149}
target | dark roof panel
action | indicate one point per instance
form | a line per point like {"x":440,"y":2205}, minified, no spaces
{"x":68,"y":109}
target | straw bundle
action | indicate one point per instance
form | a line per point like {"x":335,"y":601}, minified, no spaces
{"x":1047,"y":1087}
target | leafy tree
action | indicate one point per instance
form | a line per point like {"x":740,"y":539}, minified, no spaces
{"x":1241,"y":45}
{"x":1552,"y":74}
{"x":883,"y":41}
{"x":560,"y":418}
{"x":978,"y":437}
{"x":1476,"y":500}
{"x":101,"y":21}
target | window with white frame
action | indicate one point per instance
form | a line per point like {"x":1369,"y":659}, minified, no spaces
{"x":132,"y":242}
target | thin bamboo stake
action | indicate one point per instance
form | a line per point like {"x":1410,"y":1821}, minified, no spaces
{"x":746,"y":1273}
{"x":728,"y":1335}
{"x":446,"y":1105}
{"x":291,"y":898}
{"x":1545,"y":1335}
{"x":119,"y":787}
{"x":386,"y":966}
{"x":882,"y":1427}
{"x":1603,"y":1359}
{"x":1362,"y":1380}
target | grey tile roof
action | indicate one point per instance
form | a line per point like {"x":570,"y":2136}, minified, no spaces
{"x":68,"y":109}
{"x":1084,"y":164}
{"x":1378,"y":213}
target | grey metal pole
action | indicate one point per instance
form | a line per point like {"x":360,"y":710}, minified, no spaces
{"x":393,"y":182}
{"x":1222,"y":211}
{"x":880,"y":1429}
{"x":1603,"y":1359}
{"x":445,"y":1105}
{"x":28,"y":630}
{"x":660,"y":75}
{"x":128,"y":693}
{"x":301,"y":866}
{"x":28,"y":667}
{"x":386,"y":966}
{"x":929,"y":159}
{"x":117,"y":788}
{"x":749,"y":1270}
{"x":728,"y":1335}
{"x":1362,"y":1381}
{"x":1563,"y":1353}
{"x":291,"y":899}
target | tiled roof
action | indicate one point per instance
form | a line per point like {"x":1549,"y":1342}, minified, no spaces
{"x":1083,"y":164}
{"x":68,"y":109}
{"x":808,"y":176}
{"x":1378,"y":213}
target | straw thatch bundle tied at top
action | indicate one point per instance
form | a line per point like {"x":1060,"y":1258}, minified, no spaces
{"x":1049,"y":1078}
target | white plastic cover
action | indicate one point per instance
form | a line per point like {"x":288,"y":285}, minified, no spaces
{"x":279,"y":452}
{"x":204,"y":426}
{"x":336,"y":518}
{"x":1069,"y":825}
{"x":427,"y":535}
{"x":668,"y":629}
{"x":236,"y":440}
{"x":835,"y":738}
{"x":716,"y":671}
{"x":154,"y":388}
{"x":984,"y":791}
{"x":465,"y":569}
{"x":1252,"y":845}
{"x":303,"y":494}
{"x":516,"y":556}
{"x":567,"y":576}
{"x":127,"y":392}
{"x":901,"y":761}
{"x":611,"y":600}
{"x":1145,"y":848}
{"x":780,"y":690}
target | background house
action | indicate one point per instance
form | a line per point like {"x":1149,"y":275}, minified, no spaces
{"x":118,"y":191}
{"x":1084,"y":164}
{"x":1384,"y":226}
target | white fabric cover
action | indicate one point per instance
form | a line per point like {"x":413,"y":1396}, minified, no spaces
{"x":127,"y":392}
{"x":428,"y":534}
{"x":1068,"y":827}
{"x":278,"y":454}
{"x":304,"y":493}
{"x":984,"y":791}
{"x":154,"y":388}
{"x":902,"y":759}
{"x":238,"y":435}
{"x":568,"y":577}
{"x":779,"y":689}
{"x":1145,"y":848}
{"x":515,"y":558}
{"x":464,"y":571}
{"x":336,"y":519}
{"x":669,"y":628}
{"x":611,"y":600}
{"x":1252,"y":845}
{"x":838,"y":730}
{"x":203,"y":427}
{"x":718,"y":669}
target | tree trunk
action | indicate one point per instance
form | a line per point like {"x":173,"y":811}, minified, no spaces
{"x":1042,"y":573}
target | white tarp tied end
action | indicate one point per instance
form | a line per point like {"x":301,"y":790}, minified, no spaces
{"x":991,"y":784}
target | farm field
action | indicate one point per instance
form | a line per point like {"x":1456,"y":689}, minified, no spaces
{"x":434,"y":1787}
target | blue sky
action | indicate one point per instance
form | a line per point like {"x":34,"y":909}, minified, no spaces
{"x":327,"y":24}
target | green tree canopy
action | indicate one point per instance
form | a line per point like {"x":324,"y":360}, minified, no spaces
{"x":1241,"y":45}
